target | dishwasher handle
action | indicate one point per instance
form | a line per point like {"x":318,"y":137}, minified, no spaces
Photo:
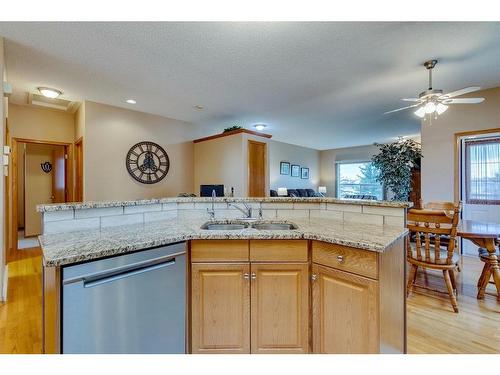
{"x":89,"y":282}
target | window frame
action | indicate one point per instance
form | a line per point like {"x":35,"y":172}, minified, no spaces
{"x":337,"y":176}
{"x":467,"y":180}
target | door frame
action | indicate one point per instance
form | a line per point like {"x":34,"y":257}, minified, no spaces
{"x":248,"y":165}
{"x":14,"y":184}
{"x":457,"y":156}
{"x":78,"y":177}
{"x":457,"y":167}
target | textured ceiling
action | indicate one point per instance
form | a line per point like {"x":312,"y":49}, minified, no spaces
{"x":322,"y":85}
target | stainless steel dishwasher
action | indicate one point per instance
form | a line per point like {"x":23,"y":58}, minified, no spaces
{"x":132,"y":303}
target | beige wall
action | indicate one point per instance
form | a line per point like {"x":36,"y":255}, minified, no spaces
{"x":328,"y":158}
{"x":41,"y":124}
{"x":438,"y":142}
{"x":80,"y":122}
{"x":225,"y":161}
{"x":109,"y":134}
{"x":219,"y":161}
{"x":303,"y":156}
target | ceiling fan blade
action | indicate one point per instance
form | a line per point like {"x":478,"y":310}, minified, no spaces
{"x":411,"y":99}
{"x":463,"y":101}
{"x":400,"y":109}
{"x":463,"y":91}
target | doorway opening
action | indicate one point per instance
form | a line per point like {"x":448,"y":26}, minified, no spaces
{"x":39,"y":175}
{"x":478,"y":181}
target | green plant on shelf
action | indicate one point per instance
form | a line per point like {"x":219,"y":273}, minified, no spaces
{"x":231,"y":128}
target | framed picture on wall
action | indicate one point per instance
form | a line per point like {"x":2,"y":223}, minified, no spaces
{"x":284,"y":167}
{"x":304,"y":173}
{"x":295,"y":170}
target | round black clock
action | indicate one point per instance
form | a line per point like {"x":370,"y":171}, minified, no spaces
{"x":147,"y":162}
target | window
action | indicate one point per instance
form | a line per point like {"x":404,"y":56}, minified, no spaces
{"x":482,"y":171}
{"x":354,"y":179}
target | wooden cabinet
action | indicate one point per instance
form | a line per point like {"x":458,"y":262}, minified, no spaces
{"x":256,"y":297}
{"x":225,"y":319}
{"x":280,"y":308}
{"x":220,"y":308}
{"x":345,"y":312}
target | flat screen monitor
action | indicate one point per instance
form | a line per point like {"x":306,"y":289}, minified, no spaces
{"x":206,"y":190}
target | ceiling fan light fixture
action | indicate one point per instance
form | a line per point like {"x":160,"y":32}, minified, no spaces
{"x":420,"y":112}
{"x":441,"y":108}
{"x":430,"y":107}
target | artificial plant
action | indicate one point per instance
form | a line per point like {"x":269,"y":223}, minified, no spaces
{"x":395,"y":163}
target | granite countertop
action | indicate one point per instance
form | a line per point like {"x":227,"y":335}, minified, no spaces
{"x":67,"y":248}
{"x":102,"y":204}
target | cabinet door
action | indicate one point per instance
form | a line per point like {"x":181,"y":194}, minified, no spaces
{"x":280,"y":308}
{"x":345,"y":312}
{"x":220,"y":308}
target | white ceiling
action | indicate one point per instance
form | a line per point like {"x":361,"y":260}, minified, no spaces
{"x":322,"y":85}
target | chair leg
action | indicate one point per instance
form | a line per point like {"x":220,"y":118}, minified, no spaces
{"x":411,"y":279}
{"x":483,"y":274}
{"x":484,"y":280}
{"x":453,"y":298}
{"x":452,"y":279}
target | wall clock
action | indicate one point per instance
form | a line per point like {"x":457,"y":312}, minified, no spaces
{"x":147,"y":162}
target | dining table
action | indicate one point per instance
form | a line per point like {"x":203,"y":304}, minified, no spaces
{"x":485,"y":235}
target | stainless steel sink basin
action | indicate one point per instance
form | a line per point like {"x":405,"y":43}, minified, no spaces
{"x":216,"y":226}
{"x":274,"y":226}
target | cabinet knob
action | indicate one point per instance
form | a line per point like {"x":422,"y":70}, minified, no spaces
{"x":340,"y":258}
{"x":246,"y":276}
{"x":314,"y":277}
{"x":254,"y":276}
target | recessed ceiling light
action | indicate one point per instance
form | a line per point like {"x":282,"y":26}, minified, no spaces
{"x":260,"y":127}
{"x":199,"y":107}
{"x":49,"y":93}
{"x":130,"y":101}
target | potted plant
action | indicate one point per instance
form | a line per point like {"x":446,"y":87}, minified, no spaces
{"x":395,"y":163}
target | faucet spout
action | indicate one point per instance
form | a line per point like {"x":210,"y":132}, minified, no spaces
{"x":247,"y":211}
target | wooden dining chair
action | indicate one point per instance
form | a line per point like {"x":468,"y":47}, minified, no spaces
{"x":428,"y":227}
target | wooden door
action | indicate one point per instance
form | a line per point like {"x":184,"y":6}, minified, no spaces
{"x":59,"y":174}
{"x":220,"y":320}
{"x":280,"y":308}
{"x":345,"y":312}
{"x":256,"y":169}
{"x":79,"y":170}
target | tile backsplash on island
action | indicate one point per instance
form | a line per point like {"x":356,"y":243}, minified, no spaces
{"x":70,"y":217}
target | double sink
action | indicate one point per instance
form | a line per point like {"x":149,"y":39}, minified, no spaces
{"x":210,"y":225}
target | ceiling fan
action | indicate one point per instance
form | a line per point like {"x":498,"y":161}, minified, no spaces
{"x":434,"y":102}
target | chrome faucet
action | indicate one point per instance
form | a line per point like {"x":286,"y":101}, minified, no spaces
{"x":247,"y":211}
{"x":211,"y":212}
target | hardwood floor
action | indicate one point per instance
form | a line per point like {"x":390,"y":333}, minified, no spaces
{"x":433,"y":327}
{"x":21,"y":315}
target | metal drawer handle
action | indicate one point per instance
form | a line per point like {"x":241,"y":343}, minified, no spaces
{"x":340,"y":258}
{"x":137,"y":271}
{"x":314,"y":277}
{"x":246,"y":276}
{"x":254,"y":276}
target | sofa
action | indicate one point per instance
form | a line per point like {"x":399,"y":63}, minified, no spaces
{"x":302,"y":193}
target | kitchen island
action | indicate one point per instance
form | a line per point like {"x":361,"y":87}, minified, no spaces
{"x":334,"y":284}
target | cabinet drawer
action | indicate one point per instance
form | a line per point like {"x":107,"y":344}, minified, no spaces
{"x":278,"y":250}
{"x":360,"y":262}
{"x":219,"y":251}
